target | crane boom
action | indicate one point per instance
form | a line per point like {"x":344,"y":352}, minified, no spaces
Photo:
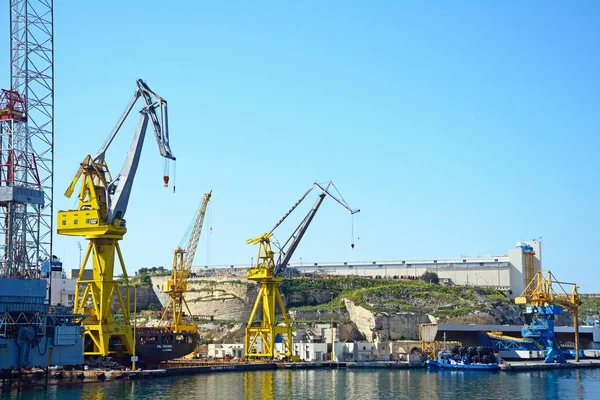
{"x":161,"y":128}
{"x":121,"y":186}
{"x":192,"y":245}
{"x":284,"y":258}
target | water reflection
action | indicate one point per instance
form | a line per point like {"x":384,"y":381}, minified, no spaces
{"x":341,"y":385}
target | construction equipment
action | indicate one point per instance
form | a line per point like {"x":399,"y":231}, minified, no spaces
{"x":542,"y":305}
{"x":100,"y":218}
{"x":268,"y":274}
{"x":182,"y":265}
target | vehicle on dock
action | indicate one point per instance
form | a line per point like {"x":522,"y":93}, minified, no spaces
{"x":478,"y":358}
{"x":155,"y":345}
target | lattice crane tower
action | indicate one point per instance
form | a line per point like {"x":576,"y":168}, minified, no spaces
{"x":27,"y":141}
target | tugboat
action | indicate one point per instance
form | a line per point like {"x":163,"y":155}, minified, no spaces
{"x":157,"y":344}
{"x":480,"y":358}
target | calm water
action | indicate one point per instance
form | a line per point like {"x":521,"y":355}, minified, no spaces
{"x":342,"y":384}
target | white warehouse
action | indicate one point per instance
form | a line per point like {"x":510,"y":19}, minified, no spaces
{"x":505,"y":272}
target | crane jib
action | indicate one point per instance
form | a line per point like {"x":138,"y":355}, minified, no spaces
{"x":294,"y":239}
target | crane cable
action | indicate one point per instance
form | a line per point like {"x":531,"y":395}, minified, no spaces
{"x":352,"y":242}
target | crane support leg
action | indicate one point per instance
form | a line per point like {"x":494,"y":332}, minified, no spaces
{"x":576,"y":329}
{"x":97,"y":297}
{"x":269,"y":298}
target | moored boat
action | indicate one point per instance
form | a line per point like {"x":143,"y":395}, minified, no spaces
{"x":465,"y":358}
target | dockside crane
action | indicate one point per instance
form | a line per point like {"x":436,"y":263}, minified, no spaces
{"x":543,"y":303}
{"x":176,"y":286}
{"x":268,"y":273}
{"x":100,"y":218}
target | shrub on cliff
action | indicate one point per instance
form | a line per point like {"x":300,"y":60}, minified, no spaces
{"x":430,"y":277}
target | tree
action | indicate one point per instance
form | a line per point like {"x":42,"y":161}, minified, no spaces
{"x":430,"y":277}
{"x":145,"y":279}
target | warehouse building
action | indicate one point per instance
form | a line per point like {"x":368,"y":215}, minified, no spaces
{"x":507,"y":272}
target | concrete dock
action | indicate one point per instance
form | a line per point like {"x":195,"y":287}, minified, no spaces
{"x":540,"y":365}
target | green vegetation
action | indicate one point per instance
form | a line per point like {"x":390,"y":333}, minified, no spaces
{"x":430,"y":277}
{"x":590,"y":308}
{"x":143,"y":279}
{"x":154,"y":271}
{"x":394,"y":295}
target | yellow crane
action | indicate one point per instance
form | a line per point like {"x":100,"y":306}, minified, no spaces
{"x":541,"y":300}
{"x":100,"y":218}
{"x":182,"y":265}
{"x":267,"y":273}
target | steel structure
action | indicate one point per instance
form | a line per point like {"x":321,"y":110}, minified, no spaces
{"x":268,"y":273}
{"x":27,"y":141}
{"x":100,"y":218}
{"x":528,"y":267}
{"x":542,"y":305}
{"x":182,"y":265}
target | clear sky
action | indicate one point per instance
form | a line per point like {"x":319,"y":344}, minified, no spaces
{"x":457,"y":127}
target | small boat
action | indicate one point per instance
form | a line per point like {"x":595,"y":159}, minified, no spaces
{"x":465,"y":358}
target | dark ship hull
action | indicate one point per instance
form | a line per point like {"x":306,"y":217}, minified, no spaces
{"x":155,"y":345}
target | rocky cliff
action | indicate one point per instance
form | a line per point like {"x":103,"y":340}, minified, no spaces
{"x":219,"y":299}
{"x":382,"y":327}
{"x":375,"y":310}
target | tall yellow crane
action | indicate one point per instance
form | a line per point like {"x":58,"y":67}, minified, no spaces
{"x":182,"y":265}
{"x":268,"y":273}
{"x":100,"y":218}
{"x":541,"y":301}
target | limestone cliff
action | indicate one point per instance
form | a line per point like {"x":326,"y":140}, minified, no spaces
{"x":382,"y":327}
{"x":221,"y":299}
{"x":376,"y":310}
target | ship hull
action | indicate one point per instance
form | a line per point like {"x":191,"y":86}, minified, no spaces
{"x":155,"y":345}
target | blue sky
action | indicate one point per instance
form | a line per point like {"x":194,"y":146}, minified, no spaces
{"x":457,"y":127}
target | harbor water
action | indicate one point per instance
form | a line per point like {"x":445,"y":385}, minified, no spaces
{"x":339,"y":385}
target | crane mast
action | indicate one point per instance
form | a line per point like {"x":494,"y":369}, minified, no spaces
{"x":176,"y":286}
{"x":268,"y":274}
{"x":100,"y":218}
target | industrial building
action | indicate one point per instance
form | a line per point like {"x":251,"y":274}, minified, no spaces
{"x":507,"y":272}
{"x":63,"y":287}
{"x":504,"y":272}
